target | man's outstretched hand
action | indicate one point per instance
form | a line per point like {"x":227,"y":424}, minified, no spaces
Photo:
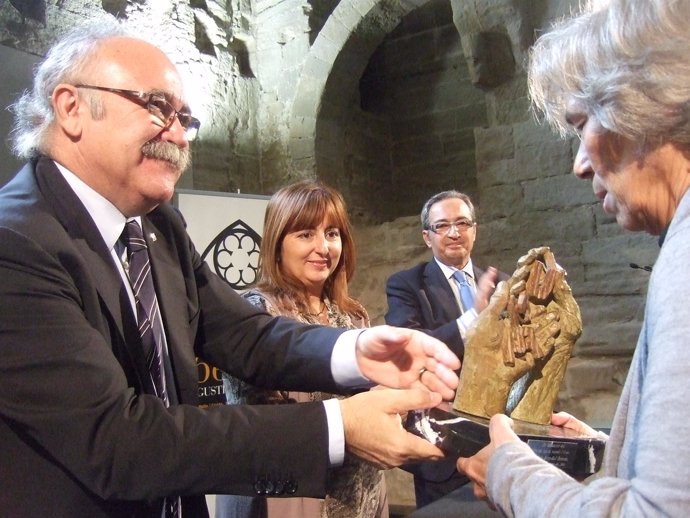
{"x":406,"y":358}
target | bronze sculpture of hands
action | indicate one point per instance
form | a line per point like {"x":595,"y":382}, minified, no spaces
{"x":528,"y":328}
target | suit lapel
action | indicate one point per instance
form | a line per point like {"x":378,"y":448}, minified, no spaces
{"x":97,"y":261}
{"x":440,"y":293}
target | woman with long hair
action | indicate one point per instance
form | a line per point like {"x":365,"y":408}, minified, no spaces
{"x":307,"y":259}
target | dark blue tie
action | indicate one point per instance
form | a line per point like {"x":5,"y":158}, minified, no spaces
{"x":150,"y":324}
{"x":466,"y":293}
{"x":148,"y":314}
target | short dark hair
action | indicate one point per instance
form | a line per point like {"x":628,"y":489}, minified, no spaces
{"x":445,"y":195}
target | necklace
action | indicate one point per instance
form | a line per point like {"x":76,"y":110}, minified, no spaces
{"x":323,"y":308}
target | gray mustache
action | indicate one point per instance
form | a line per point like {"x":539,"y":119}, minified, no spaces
{"x":167,"y":151}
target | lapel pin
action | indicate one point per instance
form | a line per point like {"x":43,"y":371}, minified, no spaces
{"x":152,"y":237}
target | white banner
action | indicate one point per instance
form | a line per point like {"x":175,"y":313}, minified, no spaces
{"x":226,"y":230}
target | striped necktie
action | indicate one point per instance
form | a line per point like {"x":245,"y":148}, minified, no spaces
{"x":150,"y":324}
{"x":148,"y":314}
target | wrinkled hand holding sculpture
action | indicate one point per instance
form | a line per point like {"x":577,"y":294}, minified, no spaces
{"x":527,"y":332}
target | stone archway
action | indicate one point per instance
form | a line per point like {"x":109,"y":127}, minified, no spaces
{"x":365,"y":150}
{"x":320,"y":143}
{"x":340,"y":54}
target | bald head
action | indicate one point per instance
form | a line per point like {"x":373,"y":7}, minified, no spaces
{"x":127,"y":62}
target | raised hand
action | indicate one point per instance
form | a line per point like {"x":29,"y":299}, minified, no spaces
{"x":538,"y":402}
{"x":486,"y":379}
{"x":485,"y":288}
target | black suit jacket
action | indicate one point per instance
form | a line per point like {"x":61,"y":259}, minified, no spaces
{"x":421,"y":298}
{"x":80,"y":434}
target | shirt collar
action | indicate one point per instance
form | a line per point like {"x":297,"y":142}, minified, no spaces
{"x":448,"y":271}
{"x":109,"y":221}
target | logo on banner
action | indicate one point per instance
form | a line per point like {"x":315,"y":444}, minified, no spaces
{"x":234,"y":256}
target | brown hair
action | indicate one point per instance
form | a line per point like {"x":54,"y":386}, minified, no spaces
{"x":300,"y":206}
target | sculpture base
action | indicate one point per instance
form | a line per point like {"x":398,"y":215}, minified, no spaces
{"x":464,"y":435}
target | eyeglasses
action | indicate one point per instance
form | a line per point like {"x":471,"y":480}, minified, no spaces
{"x":443,"y":228}
{"x":158,"y":106}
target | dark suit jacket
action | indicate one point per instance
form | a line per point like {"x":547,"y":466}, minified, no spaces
{"x":80,"y":434}
{"x":421,"y":298}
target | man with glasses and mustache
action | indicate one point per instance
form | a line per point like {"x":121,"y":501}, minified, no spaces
{"x":442,"y":298}
{"x":105,"y":305}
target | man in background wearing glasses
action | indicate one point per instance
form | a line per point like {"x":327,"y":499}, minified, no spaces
{"x":105,"y":303}
{"x":442,"y":298}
